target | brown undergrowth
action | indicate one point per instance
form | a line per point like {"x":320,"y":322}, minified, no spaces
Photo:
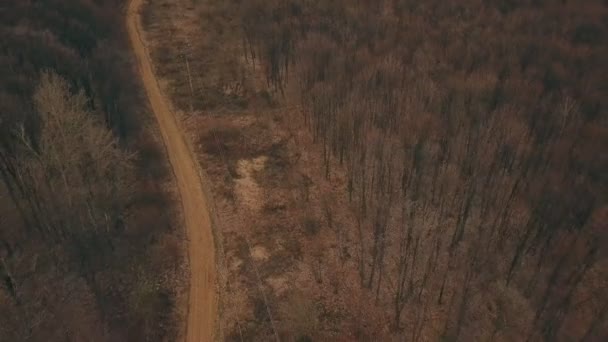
{"x":279,"y":216}
{"x":427,"y":188}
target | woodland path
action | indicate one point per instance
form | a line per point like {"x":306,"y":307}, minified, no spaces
{"x":202,"y":298}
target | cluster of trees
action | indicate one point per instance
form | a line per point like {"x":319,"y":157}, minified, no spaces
{"x":84,"y":243}
{"x":474,"y":136}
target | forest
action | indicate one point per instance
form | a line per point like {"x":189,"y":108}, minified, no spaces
{"x":88,"y":246}
{"x":474,"y":139}
{"x":399,"y":170}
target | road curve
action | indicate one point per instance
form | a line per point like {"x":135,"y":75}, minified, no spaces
{"x":202,"y":298}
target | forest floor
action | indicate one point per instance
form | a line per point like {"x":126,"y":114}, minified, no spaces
{"x":202,"y":299}
{"x":293,"y":249}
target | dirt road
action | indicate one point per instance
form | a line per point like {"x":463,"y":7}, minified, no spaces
{"x":202,"y":299}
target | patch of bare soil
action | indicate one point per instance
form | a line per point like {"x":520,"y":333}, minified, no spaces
{"x":248,"y":191}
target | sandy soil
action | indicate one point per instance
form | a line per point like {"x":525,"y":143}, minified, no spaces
{"x":203,"y":299}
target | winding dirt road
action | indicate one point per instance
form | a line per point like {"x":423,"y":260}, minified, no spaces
{"x":202,"y":299}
